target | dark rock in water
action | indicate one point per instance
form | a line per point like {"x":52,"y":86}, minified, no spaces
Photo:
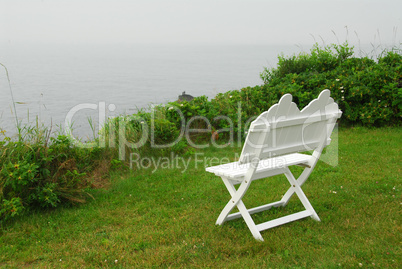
{"x":185,"y":97}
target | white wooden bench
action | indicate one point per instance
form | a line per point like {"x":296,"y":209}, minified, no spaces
{"x":272,"y":145}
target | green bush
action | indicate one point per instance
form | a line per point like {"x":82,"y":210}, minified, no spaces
{"x":44,"y":173}
{"x":368,"y":92}
{"x":146,"y":133}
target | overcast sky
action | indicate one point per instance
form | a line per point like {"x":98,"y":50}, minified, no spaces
{"x":198,"y":21}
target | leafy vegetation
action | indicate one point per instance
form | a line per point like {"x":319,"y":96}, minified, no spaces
{"x":39,"y":171}
{"x":368,"y":92}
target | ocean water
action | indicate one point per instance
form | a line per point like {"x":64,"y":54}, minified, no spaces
{"x":48,"y":82}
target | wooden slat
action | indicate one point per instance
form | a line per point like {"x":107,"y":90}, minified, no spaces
{"x":255,"y":210}
{"x":235,"y":170}
{"x":283,"y":220}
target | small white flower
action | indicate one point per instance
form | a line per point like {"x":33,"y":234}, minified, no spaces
{"x":181,"y":105}
{"x":343,"y":97}
{"x":360,"y":264}
{"x":337,"y":79}
{"x":115,"y":261}
{"x":342,"y":91}
{"x":341,"y":87}
{"x":379,"y":101}
{"x":170,"y":108}
{"x":230,"y":96}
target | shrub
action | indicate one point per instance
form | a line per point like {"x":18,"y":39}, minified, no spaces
{"x":44,"y":172}
{"x":368,"y":92}
{"x":146,"y":133}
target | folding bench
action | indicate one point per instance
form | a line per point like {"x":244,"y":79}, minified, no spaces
{"x":272,"y":145}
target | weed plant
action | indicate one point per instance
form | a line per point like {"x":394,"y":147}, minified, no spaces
{"x":40,"y":171}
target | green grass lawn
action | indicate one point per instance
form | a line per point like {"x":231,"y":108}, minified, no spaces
{"x":167,"y":218}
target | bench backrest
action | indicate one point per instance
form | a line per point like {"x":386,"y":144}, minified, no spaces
{"x":284,"y":129}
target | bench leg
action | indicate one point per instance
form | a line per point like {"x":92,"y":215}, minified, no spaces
{"x":236,"y":201}
{"x":302,"y":178}
{"x":238,"y":194}
{"x":295,"y":188}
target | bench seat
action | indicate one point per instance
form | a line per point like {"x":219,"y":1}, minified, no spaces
{"x":235,"y":171}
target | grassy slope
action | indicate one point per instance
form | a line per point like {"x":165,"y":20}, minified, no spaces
{"x":167,"y":218}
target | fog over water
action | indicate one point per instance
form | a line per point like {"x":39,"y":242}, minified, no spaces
{"x":129,"y":54}
{"x":47,"y":83}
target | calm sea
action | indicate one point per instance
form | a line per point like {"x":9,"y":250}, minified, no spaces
{"x":49,"y":81}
